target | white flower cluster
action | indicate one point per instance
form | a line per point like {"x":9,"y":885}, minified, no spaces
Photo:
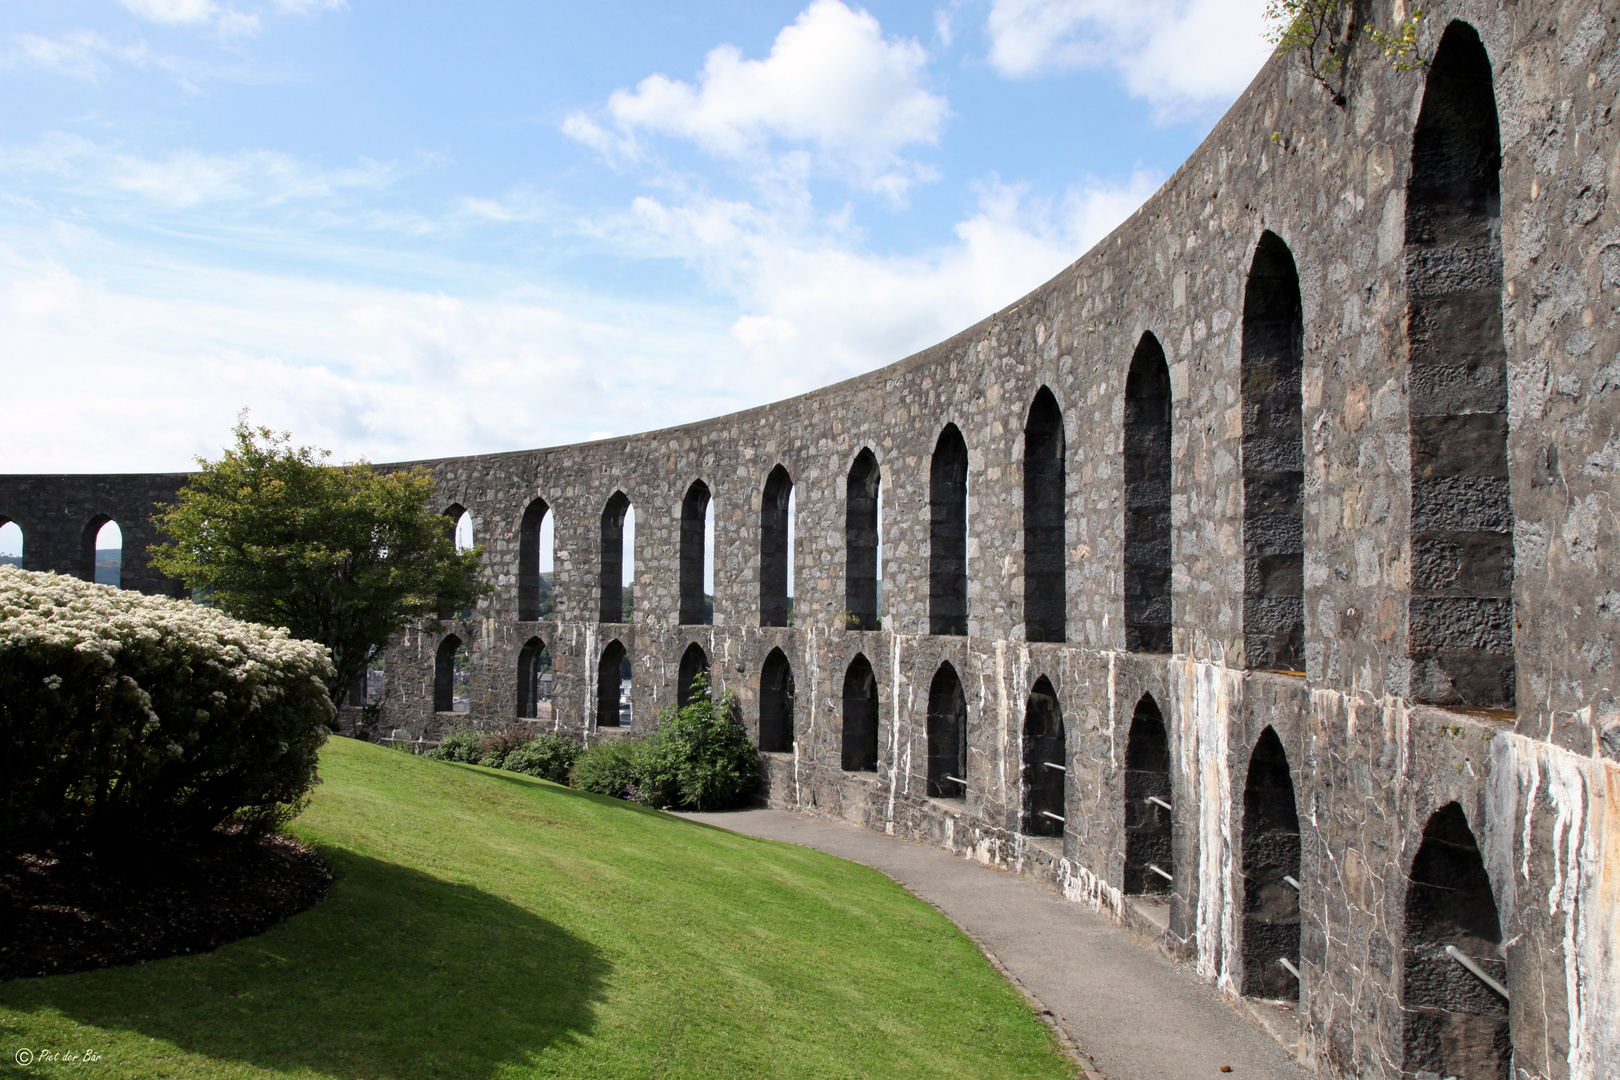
{"x":43,"y":613}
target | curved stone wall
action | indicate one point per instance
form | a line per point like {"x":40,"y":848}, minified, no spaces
{"x":1334,"y":388}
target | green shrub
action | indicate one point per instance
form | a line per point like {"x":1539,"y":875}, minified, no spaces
{"x":496,"y":745}
{"x":463,"y":745}
{"x":699,"y":757}
{"x":124,"y":715}
{"x":549,"y":756}
{"x":608,"y":768}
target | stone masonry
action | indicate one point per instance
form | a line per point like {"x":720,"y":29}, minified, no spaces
{"x":1362,"y":584}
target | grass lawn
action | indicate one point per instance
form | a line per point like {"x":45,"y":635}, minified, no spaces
{"x":486,"y":924}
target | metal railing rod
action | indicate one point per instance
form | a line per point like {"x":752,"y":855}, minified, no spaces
{"x":1292,"y":970}
{"x":1054,"y":817}
{"x":1161,"y":802}
{"x":1479,"y":972}
{"x":955,"y":780}
{"x":1161,"y":873}
{"x":1297,"y":886}
{"x":1055,"y":765}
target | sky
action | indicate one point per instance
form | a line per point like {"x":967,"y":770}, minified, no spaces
{"x":404,"y":230}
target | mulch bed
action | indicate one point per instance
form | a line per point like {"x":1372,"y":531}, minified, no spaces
{"x":67,"y":910}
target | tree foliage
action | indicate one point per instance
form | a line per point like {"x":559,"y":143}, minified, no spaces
{"x":1323,"y":33}
{"x":343,"y":555}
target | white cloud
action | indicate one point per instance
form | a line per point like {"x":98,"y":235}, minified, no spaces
{"x":144,"y":366}
{"x":1175,"y":53}
{"x":187,"y":178}
{"x":224,"y":18}
{"x":818,"y":309}
{"x":832,"y":82}
{"x":132,"y":360}
{"x":78,"y":55}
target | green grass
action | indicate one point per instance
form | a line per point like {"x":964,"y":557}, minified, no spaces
{"x":485,"y":924}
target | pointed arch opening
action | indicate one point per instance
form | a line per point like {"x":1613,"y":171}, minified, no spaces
{"x":102,"y":553}
{"x":947,"y":736}
{"x":534,"y":681}
{"x":776,"y":704}
{"x":1454,"y":1023}
{"x":1460,"y":612}
{"x":614,"y":571}
{"x":860,"y":735}
{"x":534,"y":576}
{"x":694,"y":662}
{"x":11,"y":542}
{"x":1149,"y":803}
{"x":1273,"y":462}
{"x":613,"y":686}
{"x":1147,"y":500}
{"x":451,"y":676}
{"x":694,"y":555}
{"x":461,"y":532}
{"x":947,"y":534}
{"x":1046,"y":762}
{"x":1045,"y":583}
{"x":861,"y":493}
{"x":775,"y":540}
{"x":1271,"y":868}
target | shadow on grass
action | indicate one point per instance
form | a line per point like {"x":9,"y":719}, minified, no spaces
{"x":397,"y":975}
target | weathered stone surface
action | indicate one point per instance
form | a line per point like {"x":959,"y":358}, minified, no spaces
{"x":1429,"y":517}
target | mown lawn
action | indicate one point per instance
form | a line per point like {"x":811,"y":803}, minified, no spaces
{"x":485,"y":924}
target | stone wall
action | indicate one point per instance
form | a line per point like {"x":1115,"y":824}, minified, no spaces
{"x":1338,"y":384}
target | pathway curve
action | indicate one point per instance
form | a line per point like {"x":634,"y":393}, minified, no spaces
{"x":1134,"y":1012}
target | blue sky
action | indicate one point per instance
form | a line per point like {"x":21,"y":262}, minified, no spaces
{"x":409,"y":229}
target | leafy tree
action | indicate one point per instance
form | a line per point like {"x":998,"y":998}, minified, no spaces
{"x":342,"y":555}
{"x":1323,"y":34}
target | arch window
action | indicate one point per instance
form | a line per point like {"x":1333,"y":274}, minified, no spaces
{"x":1273,"y":462}
{"x":11,"y":542}
{"x":534,"y":681}
{"x":694,"y":662}
{"x":102,"y":552}
{"x":860,"y":744}
{"x":947,"y":534}
{"x":535,"y":563}
{"x":696,"y":570}
{"x":1271,"y":881}
{"x":451,"y":676}
{"x":947,"y":736}
{"x":1460,"y":612}
{"x":776,"y":704}
{"x":462,"y":533}
{"x":1454,"y":1023}
{"x":374,"y":682}
{"x":862,"y":492}
{"x":1147,"y":500}
{"x":617,"y":560}
{"x":1046,"y":760}
{"x":613,"y":687}
{"x":775,"y":549}
{"x":1149,"y":821}
{"x":1045,"y":584}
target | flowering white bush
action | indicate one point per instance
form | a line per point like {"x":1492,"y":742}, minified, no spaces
{"x":122,"y":713}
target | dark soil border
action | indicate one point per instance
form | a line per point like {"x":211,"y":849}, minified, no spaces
{"x":68,"y":910}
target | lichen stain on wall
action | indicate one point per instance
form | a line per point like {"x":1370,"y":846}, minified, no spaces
{"x":1571,"y":804}
{"x":1206,"y":699}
